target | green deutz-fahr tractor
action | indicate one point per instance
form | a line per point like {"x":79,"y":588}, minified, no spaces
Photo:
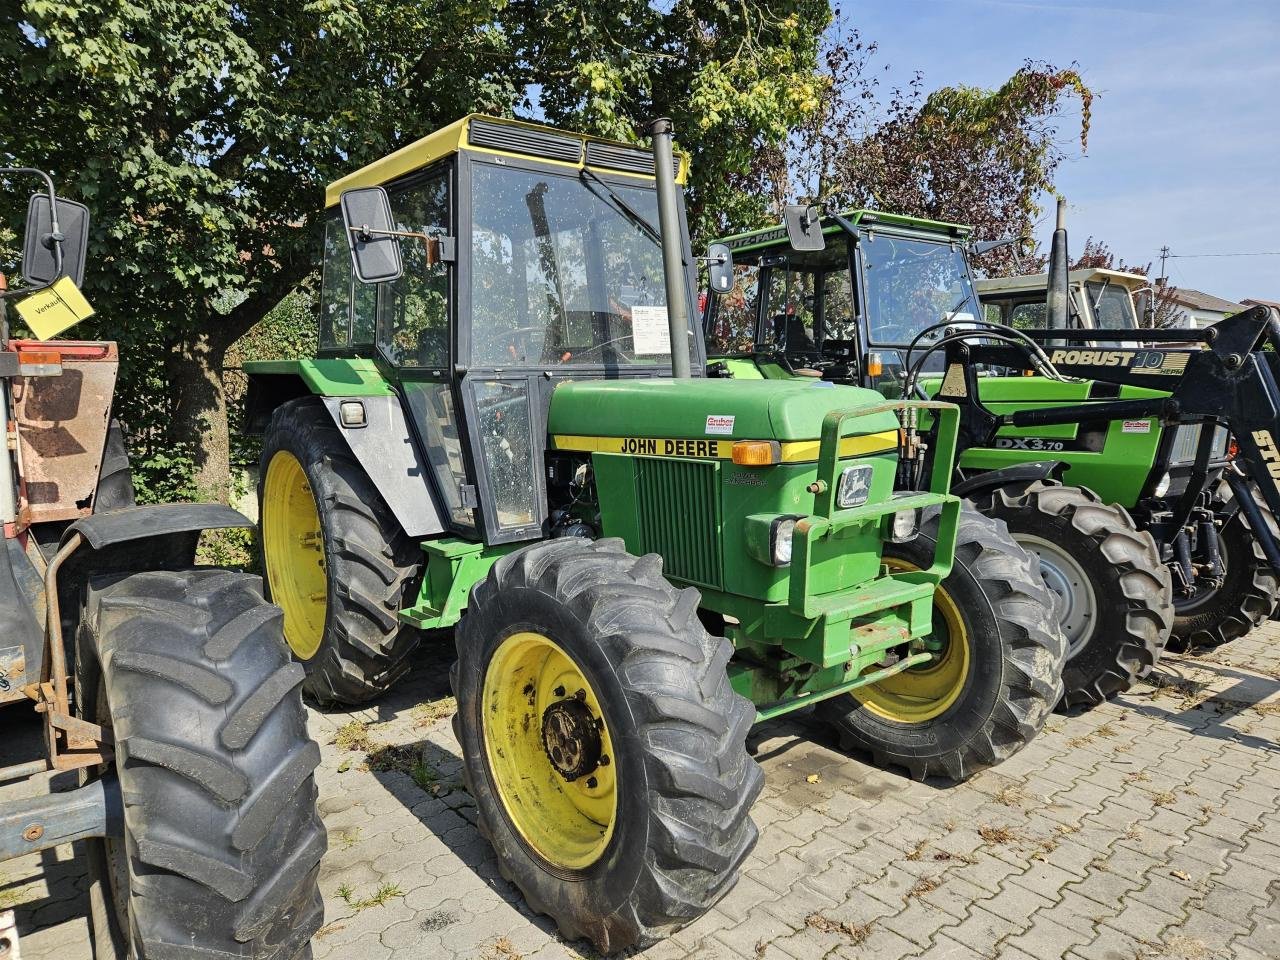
{"x":1109,"y":464}
{"x":164,"y":686}
{"x":1223,"y":584}
{"x":641,"y":564}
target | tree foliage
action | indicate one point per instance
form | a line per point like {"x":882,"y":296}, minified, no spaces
{"x":202,"y":132}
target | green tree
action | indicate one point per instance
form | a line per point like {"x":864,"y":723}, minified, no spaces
{"x":202,"y":134}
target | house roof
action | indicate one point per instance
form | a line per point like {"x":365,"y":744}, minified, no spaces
{"x":1199,"y":300}
{"x":1254,"y":301}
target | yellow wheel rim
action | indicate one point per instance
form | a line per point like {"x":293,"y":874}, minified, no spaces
{"x":293,"y":547}
{"x":922,"y":693}
{"x":541,"y":721}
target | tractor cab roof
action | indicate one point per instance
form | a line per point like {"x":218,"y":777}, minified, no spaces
{"x":1034,"y":282}
{"x":773,"y":236}
{"x":504,"y":137}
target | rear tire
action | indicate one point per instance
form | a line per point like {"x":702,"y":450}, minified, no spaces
{"x":681,"y":781}
{"x":222,"y":839}
{"x":1246,"y":598}
{"x":1012,"y":649}
{"x":342,"y":622}
{"x":1094,"y":558}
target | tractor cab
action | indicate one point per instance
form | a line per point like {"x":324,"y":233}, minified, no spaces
{"x":1099,"y":299}
{"x":527,"y":256}
{"x":796,"y":312}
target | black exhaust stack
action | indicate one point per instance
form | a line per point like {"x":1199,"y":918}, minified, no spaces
{"x":1058,"y":298}
{"x":673,"y":261}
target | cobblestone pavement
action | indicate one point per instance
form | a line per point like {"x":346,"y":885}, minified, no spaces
{"x":1147,"y":828}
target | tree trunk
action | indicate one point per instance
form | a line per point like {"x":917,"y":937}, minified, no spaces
{"x":193,"y":369}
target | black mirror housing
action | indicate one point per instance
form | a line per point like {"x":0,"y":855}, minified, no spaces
{"x":371,"y":235}
{"x":719,"y":268}
{"x":804,"y":228}
{"x":41,"y":263}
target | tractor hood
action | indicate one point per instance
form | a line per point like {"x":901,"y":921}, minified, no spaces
{"x":712,"y":409}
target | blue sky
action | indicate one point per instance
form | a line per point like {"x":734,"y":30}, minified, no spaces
{"x":1184,"y":148}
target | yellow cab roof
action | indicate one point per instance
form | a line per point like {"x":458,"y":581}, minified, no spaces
{"x":458,"y":136}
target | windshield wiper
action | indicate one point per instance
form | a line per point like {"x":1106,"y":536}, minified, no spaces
{"x":618,"y":204}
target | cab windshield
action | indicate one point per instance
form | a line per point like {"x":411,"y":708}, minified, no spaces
{"x":912,"y":285}
{"x":565,"y":270}
{"x":1111,"y":305}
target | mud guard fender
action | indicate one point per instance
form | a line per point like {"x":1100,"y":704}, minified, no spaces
{"x":1003,"y":477}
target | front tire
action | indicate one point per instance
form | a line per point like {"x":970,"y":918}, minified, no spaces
{"x":1114,"y":594}
{"x":222,"y":839}
{"x":572,"y":651}
{"x":999,"y":673}
{"x":1246,"y":597}
{"x":336,"y":561}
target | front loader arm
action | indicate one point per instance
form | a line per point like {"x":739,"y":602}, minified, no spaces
{"x":1225,"y":374}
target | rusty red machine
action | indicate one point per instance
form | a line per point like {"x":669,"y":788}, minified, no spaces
{"x":207,"y":840}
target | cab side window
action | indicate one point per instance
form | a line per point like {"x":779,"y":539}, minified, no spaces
{"x":413,"y":312}
{"x":346,"y":306}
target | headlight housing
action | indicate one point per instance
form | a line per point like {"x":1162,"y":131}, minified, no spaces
{"x":854,"y":487}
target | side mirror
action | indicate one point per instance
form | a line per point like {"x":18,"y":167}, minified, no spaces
{"x":804,"y":228}
{"x":45,"y":255}
{"x":720,"y":268}
{"x":372,"y":236}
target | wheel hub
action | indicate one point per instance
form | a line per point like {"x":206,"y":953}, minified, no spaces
{"x":1077,"y":606}
{"x":571,"y":738}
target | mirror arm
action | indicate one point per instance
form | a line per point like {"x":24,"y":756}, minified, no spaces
{"x":430,"y":245}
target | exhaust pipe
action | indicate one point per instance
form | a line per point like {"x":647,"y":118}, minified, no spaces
{"x":1058,"y":293}
{"x":673,"y":264}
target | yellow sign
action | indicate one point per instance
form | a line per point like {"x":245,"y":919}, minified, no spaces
{"x":50,"y":311}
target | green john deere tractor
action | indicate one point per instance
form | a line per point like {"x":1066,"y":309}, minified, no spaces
{"x":1109,"y":463}
{"x":498,"y":434}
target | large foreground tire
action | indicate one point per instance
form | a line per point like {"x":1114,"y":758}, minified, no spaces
{"x":1247,"y":596}
{"x":1114,"y":595}
{"x":222,"y":840}
{"x":337,"y":562}
{"x":999,"y":672}
{"x":621,"y":811}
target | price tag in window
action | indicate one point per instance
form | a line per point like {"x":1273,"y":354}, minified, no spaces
{"x":649,"y":331}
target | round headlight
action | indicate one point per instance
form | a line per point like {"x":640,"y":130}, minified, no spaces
{"x":784,"y":529}
{"x":1163,"y":486}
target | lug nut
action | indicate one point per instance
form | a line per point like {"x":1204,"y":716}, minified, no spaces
{"x":592,"y":783}
{"x":604,"y":761}
{"x":558,"y":691}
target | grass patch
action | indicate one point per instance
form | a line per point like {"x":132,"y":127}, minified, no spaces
{"x":353,"y":736}
{"x":502,"y":949}
{"x":855,"y":932}
{"x":917,"y":852}
{"x":1138,"y":776}
{"x":349,"y":838}
{"x":1165,"y":798}
{"x":385,"y":892}
{"x":922,"y":886}
{"x":994,"y":834}
{"x":433,"y":711}
{"x":1011,"y":796}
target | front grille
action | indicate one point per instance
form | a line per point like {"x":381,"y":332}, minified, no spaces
{"x":1187,"y":437}
{"x":631,"y":159}
{"x":535,"y":143}
{"x":679,"y":518}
